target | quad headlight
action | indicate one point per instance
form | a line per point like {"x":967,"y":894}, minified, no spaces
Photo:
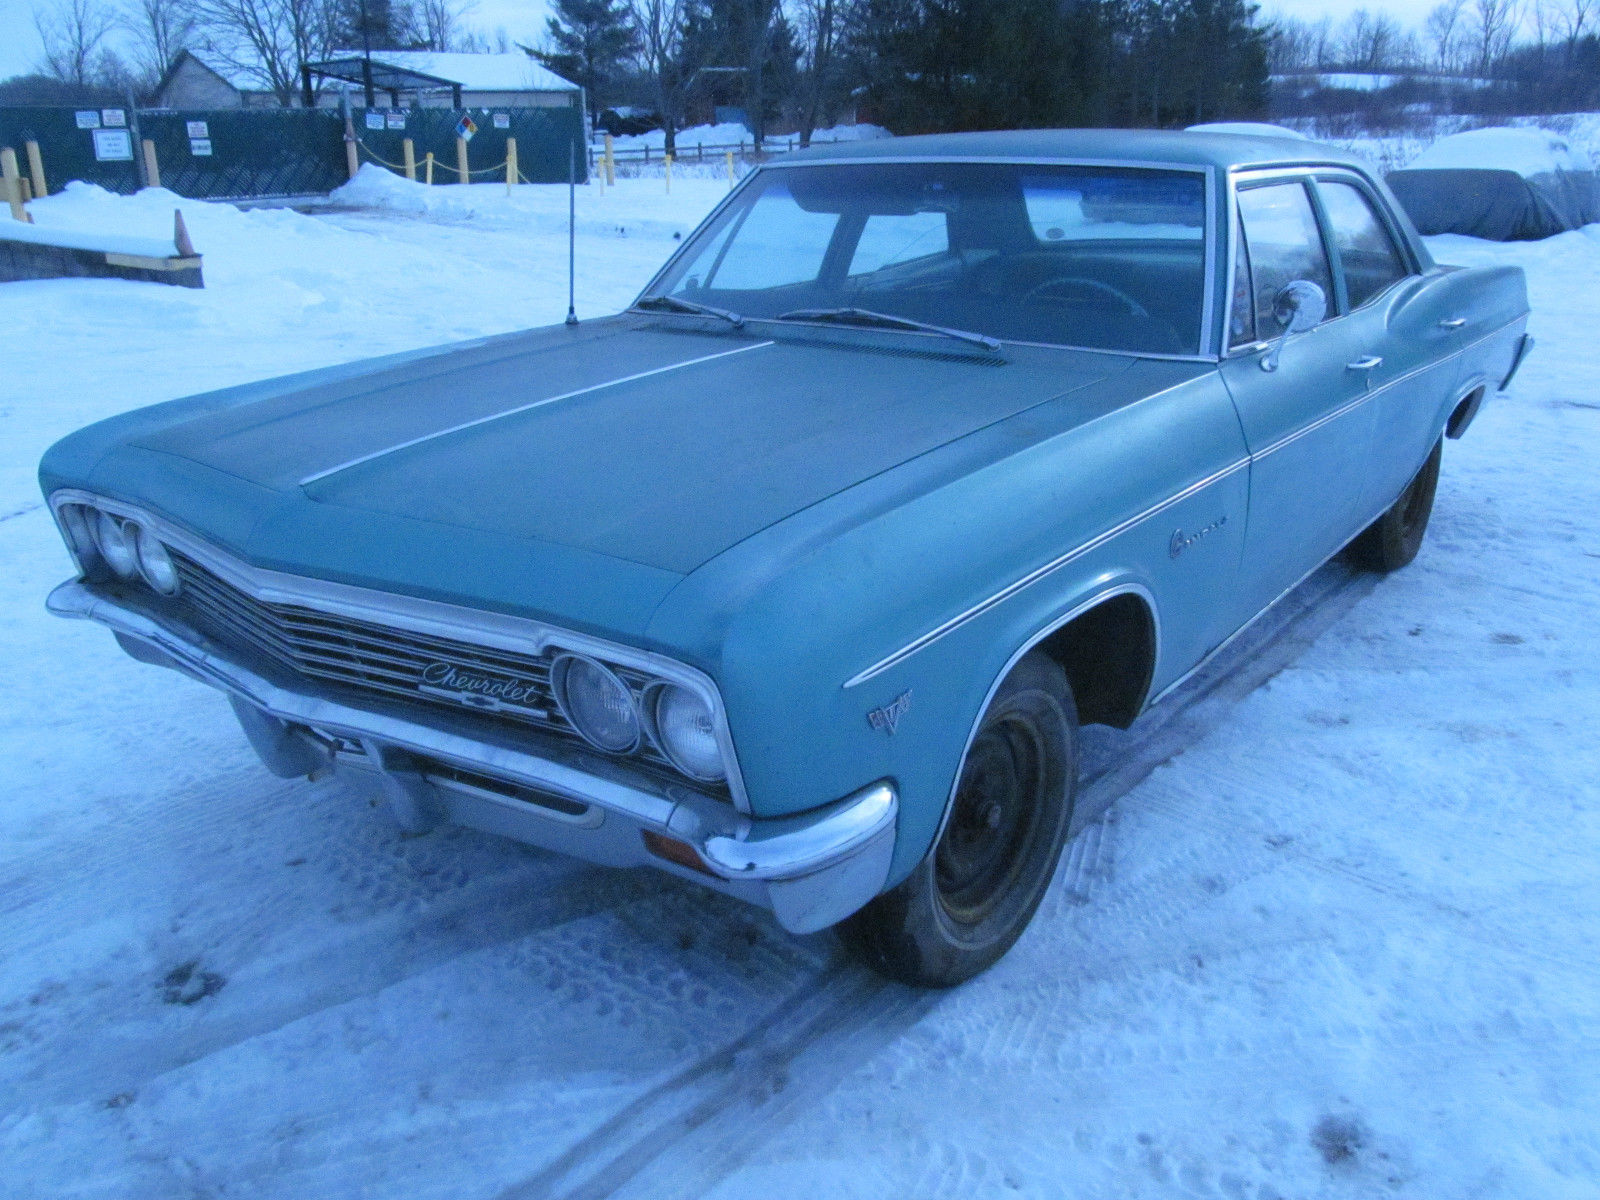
{"x":598,"y":704}
{"x":155,"y":563}
{"x":686,"y":731}
{"x":103,"y":542}
{"x":114,"y":539}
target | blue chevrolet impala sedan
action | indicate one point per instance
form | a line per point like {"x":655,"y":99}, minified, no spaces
{"x":798,"y":578}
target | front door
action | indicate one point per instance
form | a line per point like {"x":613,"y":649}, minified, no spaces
{"x":1306,"y":423}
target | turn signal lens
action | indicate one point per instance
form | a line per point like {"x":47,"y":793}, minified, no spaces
{"x":687,"y":733}
{"x":155,"y":564}
{"x":114,"y":540}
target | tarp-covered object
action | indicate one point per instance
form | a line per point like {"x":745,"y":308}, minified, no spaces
{"x":1502,"y":184}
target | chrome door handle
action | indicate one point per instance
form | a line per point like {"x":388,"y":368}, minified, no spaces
{"x":1364,"y":364}
{"x":1452,"y":323}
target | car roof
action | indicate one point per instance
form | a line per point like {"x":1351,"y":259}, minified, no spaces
{"x":1134,"y":146}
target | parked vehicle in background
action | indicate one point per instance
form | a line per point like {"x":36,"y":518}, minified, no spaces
{"x":797,"y":579}
{"x":627,"y":121}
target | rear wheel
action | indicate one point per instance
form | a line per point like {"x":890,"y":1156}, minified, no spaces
{"x":1393,"y":540}
{"x":972,"y":896}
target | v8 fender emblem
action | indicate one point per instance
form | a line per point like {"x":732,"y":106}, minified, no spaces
{"x":887,"y":718}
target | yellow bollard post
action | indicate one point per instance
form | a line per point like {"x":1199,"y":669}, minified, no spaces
{"x":611,"y":164}
{"x":13,"y":184}
{"x":152,"y":169}
{"x":36,"y":169}
{"x":669,"y":174}
{"x":427,"y":166}
{"x":511,"y":163}
{"x":461,"y":161}
{"x":352,"y":156}
{"x":728,"y":154}
{"x":408,"y":154}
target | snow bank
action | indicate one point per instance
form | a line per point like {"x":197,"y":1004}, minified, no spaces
{"x":1525,"y":151}
{"x":103,"y":241}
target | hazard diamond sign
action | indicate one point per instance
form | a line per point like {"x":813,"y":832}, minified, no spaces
{"x":465,"y":128}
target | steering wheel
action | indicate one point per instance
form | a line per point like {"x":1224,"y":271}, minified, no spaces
{"x":1084,"y":283}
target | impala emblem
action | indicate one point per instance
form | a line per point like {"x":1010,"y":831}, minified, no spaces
{"x":482,"y":690}
{"x":888,"y":717}
{"x":1182,"y":541}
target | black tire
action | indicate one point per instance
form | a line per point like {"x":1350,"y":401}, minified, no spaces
{"x":1393,"y":540}
{"x":970,"y":899}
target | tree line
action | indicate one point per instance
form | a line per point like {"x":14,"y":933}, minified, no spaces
{"x":917,"y":65}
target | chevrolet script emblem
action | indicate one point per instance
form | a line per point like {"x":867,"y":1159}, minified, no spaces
{"x":888,"y":717}
{"x":482,"y":690}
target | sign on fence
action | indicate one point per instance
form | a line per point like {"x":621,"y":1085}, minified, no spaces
{"x":113,"y":145}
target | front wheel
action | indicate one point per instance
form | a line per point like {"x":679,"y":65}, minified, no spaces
{"x":975,"y":892}
{"x":1393,"y":540}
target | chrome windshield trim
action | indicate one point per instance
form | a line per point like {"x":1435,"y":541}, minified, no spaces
{"x":1208,"y":319}
{"x":522,"y":408}
{"x":519,"y":635}
{"x":1038,"y":573}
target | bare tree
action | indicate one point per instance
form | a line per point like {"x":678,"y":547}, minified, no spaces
{"x":661,"y":25}
{"x":159,"y":29}
{"x":72,"y":33}
{"x":1495,"y":23}
{"x":1444,"y":30}
{"x":1370,"y":40}
{"x":439,"y":22}
{"x":1573,"y":19}
{"x":820,"y":23}
{"x":266,"y":40}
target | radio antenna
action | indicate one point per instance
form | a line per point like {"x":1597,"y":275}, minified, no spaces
{"x":572,"y":234}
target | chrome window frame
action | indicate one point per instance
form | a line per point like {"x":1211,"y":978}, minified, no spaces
{"x":1208,"y":352}
{"x":1308,"y":174}
{"x":501,"y":631}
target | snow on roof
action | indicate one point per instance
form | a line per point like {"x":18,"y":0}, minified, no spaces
{"x":514,"y":72}
{"x":1525,"y":151}
{"x":1258,"y":128}
{"x":241,"y":79}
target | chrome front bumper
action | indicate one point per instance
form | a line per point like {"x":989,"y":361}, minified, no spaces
{"x":811,"y":870}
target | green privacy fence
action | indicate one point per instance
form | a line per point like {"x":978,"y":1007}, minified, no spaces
{"x":233,"y":154}
{"x":546,"y":141}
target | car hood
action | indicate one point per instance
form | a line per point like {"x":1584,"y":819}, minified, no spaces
{"x":655,"y":442}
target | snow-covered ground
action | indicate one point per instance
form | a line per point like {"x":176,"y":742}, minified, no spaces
{"x":1339,"y":936}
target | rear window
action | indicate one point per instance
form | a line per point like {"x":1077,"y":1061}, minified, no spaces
{"x":1159,"y":206}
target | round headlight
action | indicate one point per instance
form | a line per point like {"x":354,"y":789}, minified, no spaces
{"x":75,"y":522}
{"x":114,"y":539}
{"x":597,"y":703}
{"x":687,"y":733}
{"x":155,"y":564}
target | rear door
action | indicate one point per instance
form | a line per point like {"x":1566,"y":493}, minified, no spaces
{"x":1306,"y":423}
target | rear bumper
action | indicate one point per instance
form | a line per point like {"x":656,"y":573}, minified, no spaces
{"x":811,"y":870}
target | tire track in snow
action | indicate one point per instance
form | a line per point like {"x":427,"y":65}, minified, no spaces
{"x":718,"y":1112}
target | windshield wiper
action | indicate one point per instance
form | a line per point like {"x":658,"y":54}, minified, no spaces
{"x":865,"y":316}
{"x":678,"y":304}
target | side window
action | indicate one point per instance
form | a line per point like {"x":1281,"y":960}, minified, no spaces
{"x":1365,"y":249}
{"x":1280,"y":229}
{"x":1242,"y":311}
{"x":890,"y":239}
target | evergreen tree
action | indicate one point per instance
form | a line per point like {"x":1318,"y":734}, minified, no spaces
{"x":587,"y":42}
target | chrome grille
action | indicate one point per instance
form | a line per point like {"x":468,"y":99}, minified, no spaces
{"x":369,"y":657}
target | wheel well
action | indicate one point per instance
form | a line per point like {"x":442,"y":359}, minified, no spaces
{"x":1464,"y":411}
{"x":1109,"y":654}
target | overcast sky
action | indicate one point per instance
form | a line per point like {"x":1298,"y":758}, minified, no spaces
{"x":524,"y":21}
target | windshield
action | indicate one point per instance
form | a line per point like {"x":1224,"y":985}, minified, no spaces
{"x":1109,"y":258}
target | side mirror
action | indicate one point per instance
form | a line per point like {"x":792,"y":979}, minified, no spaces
{"x":1300,"y":306}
